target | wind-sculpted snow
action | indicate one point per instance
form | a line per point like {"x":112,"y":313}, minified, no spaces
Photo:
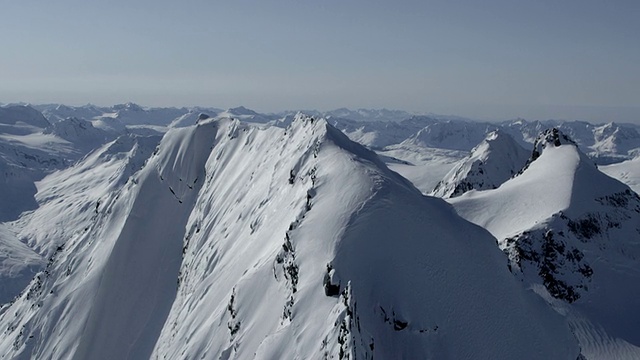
{"x":569,"y":227}
{"x":242,"y":241}
{"x":496,"y":159}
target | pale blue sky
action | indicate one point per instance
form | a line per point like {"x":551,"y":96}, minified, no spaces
{"x":483,"y":59}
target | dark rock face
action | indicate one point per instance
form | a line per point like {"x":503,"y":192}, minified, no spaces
{"x":561,"y":267}
{"x":331,"y":288}
{"x":555,"y":252}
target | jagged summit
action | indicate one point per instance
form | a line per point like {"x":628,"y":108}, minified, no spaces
{"x":496,"y":159}
{"x":551,"y":137}
{"x":232,"y":239}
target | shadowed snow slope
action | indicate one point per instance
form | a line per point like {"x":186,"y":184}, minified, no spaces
{"x":569,"y":227}
{"x":496,"y":159}
{"x":238,"y":241}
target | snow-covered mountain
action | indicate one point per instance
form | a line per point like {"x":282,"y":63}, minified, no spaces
{"x":568,"y":227}
{"x":127,"y":114}
{"x":134,"y":232}
{"x":247,"y":115}
{"x":192,"y":117}
{"x":453,"y":135}
{"x":58,"y":112}
{"x":367,"y":114}
{"x":605,"y":143}
{"x":134,"y":114}
{"x":18,"y":119}
{"x":229,"y":240}
{"x":375,"y":134}
{"x":26,"y":155}
{"x":375,"y":128}
{"x":81,"y":133}
{"x":496,"y":159}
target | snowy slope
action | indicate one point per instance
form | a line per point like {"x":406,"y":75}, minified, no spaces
{"x":616,"y":141}
{"x":233,"y":239}
{"x":192,"y":117}
{"x":18,"y":264}
{"x":375,"y":134}
{"x":569,"y":227}
{"x":496,"y":159}
{"x":31,"y":147}
{"x":424,"y":167}
{"x":69,"y":200}
{"x":627,"y":171}
{"x":26,"y":155}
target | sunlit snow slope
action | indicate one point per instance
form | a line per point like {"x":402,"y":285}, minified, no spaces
{"x":239,"y":241}
{"x":627,"y":171}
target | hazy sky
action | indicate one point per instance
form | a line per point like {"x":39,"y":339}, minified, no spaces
{"x":574,"y":59}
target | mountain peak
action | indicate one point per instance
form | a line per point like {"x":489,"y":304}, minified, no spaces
{"x":554,"y":137}
{"x":492,"y":162}
{"x":130,"y":106}
{"x":566,"y":226}
{"x":549,"y":138}
{"x":241,"y":110}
